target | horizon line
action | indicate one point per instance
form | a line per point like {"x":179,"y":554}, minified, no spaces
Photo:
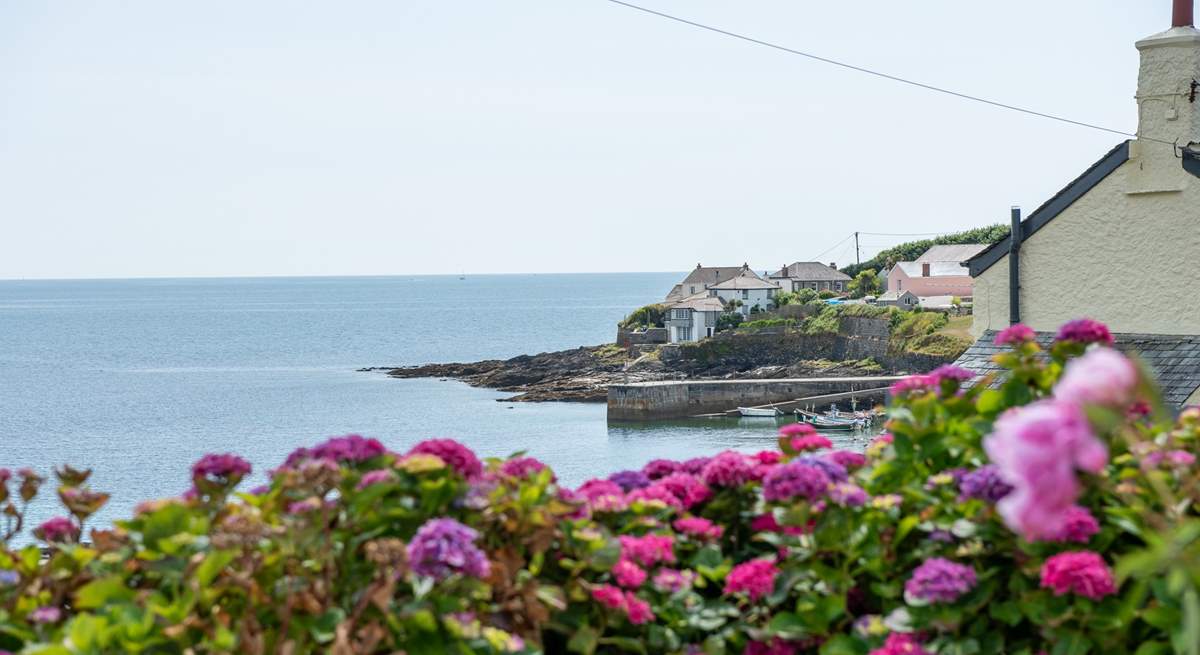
{"x":314,"y":276}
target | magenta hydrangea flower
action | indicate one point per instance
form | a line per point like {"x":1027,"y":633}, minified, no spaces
{"x":660,"y":468}
{"x":983,"y":483}
{"x":846,"y":459}
{"x":310,"y":504}
{"x":699,"y":527}
{"x":522,"y":467}
{"x":596,"y":487}
{"x":457,"y":456}
{"x":797,"y":430}
{"x":689,"y":489}
{"x":443,"y":547}
{"x":1078,"y":526}
{"x":756,"y":578}
{"x":810,"y":442}
{"x":1085,"y":330}
{"x":1178,"y":459}
{"x":938,"y":580}
{"x":776,"y":646}
{"x":1015,"y":334}
{"x":378,"y":476}
{"x":694,"y":465}
{"x":1082,"y":572}
{"x":901,"y":643}
{"x":627,"y":574}
{"x":609,"y":596}
{"x":795,"y":480}
{"x":637,"y":610}
{"x":1037,"y":449}
{"x":57,"y":530}
{"x":226,"y":468}
{"x":1102,"y":376}
{"x":648,"y":550}
{"x":950,"y":373}
{"x":727,"y":469}
{"x":350,"y":449}
{"x":768,"y":457}
{"x":847,"y":495}
{"x":630,"y":480}
{"x":911,"y":384}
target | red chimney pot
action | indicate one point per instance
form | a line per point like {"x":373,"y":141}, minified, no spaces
{"x":1182,"y":15}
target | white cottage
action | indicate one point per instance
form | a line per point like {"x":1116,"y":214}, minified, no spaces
{"x":1118,"y":244}
{"x":751,"y":291}
{"x":693,"y":318}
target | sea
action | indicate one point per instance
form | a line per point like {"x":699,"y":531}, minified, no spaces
{"x":136,"y":379}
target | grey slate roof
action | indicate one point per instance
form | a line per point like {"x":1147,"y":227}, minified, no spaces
{"x":810,"y":271}
{"x":711,"y":275}
{"x":1175,"y":359}
{"x":745,"y":282}
{"x":952,"y":253}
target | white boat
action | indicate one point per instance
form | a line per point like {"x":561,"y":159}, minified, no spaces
{"x":770,"y":412}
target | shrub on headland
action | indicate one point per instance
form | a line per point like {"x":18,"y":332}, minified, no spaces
{"x":1054,"y":512}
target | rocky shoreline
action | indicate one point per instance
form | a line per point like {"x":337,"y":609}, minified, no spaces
{"x":584,"y":374}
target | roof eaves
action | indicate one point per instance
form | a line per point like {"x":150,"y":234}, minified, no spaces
{"x":1053,"y":207}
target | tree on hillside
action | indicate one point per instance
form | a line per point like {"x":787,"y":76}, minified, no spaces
{"x":909,"y":251}
{"x":866,"y":283}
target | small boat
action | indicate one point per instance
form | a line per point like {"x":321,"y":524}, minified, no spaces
{"x":769,"y":412}
{"x":827,"y":422}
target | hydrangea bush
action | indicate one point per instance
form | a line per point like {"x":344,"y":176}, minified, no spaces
{"x":1052,"y":510}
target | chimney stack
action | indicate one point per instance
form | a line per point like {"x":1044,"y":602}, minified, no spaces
{"x":833,"y":265}
{"x":1181,"y":14}
{"x":924,"y":269}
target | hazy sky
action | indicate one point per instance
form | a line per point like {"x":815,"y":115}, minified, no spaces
{"x":160,"y":138}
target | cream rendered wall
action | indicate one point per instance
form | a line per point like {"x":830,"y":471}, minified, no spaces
{"x":1127,"y":252}
{"x":1130,"y":260}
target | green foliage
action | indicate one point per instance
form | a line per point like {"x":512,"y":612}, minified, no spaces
{"x":826,"y":294}
{"x":322,"y":560}
{"x":865,"y":283}
{"x":909,"y":251}
{"x":751,"y":326}
{"x":647,"y":316}
{"x":806,"y":296}
{"x":729,"y":321}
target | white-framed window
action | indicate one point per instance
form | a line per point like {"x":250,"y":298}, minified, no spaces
{"x":682,"y":314}
{"x":745,"y":294}
{"x":683,"y":333}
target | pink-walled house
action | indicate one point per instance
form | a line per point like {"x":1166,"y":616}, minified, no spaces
{"x":931,"y":279}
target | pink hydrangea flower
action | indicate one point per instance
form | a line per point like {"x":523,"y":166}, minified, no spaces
{"x":911,"y":384}
{"x":694,"y":465}
{"x":900,"y":643}
{"x":378,"y":476}
{"x":1085,"y":330}
{"x":225,"y":468}
{"x":596,"y":487}
{"x":627,"y":574}
{"x":459,"y":457}
{"x":847,"y":494}
{"x":689,"y":489}
{"x":57,"y":530}
{"x":47,"y":614}
{"x":847,"y":459}
{"x":810,"y":443}
{"x":699,"y":527}
{"x":648,"y":550}
{"x":1014,"y":334}
{"x":522,"y":467}
{"x":950,"y":373}
{"x":672,"y":580}
{"x":768,"y":457}
{"x":767,"y":523}
{"x":797,"y":430}
{"x":727,"y":469}
{"x":776,"y":646}
{"x":660,"y":468}
{"x":756,"y":578}
{"x":655,"y":493}
{"x":1171,"y":458}
{"x":1037,"y":449}
{"x":351,"y":448}
{"x":1078,"y":526}
{"x":1082,"y":572}
{"x":609,"y":596}
{"x":637,"y":610}
{"x":939,"y":580}
{"x":1102,"y":376}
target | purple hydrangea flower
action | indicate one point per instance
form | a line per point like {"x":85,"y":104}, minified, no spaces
{"x":795,"y":479}
{"x":847,"y":495}
{"x":983,"y":483}
{"x":694,"y":465}
{"x":522,"y":467}
{"x":350,"y":449}
{"x":939,"y":580}
{"x":727,"y":469}
{"x":660,"y":468}
{"x":630,"y":480}
{"x":1014,"y":334}
{"x":456,"y":455}
{"x":835,"y":471}
{"x":950,"y":373}
{"x":226,"y":465}
{"x":47,"y":614}
{"x":443,"y":547}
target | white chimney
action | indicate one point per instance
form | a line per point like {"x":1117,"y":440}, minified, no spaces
{"x":1168,"y":100}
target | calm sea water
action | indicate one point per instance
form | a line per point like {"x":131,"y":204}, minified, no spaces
{"x":138,"y":378}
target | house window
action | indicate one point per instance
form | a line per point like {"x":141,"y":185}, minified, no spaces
{"x":693,"y":289}
{"x":899,"y":285}
{"x":745,"y":294}
{"x":680,"y":313}
{"x":683,"y":333}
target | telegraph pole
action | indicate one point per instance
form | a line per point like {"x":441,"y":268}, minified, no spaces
{"x":857,"y":252}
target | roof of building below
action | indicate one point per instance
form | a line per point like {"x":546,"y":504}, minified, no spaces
{"x":937,"y":301}
{"x":1175,"y":359}
{"x":811,"y":271}
{"x":952,"y":253}
{"x":700,"y":302}
{"x":893,"y":295}
{"x":744,"y":282}
{"x":936,"y":269}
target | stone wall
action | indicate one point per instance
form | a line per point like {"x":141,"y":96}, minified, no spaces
{"x":627,"y":338}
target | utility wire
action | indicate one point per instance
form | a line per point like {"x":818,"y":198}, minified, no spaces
{"x":886,"y":76}
{"x":830,"y":248}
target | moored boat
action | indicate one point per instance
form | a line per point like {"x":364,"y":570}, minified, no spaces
{"x":770,"y":412}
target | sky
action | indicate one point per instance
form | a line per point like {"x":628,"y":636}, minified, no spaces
{"x":231,"y":138}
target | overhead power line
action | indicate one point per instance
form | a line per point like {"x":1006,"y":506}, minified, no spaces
{"x":886,"y":76}
{"x":817,"y":258}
